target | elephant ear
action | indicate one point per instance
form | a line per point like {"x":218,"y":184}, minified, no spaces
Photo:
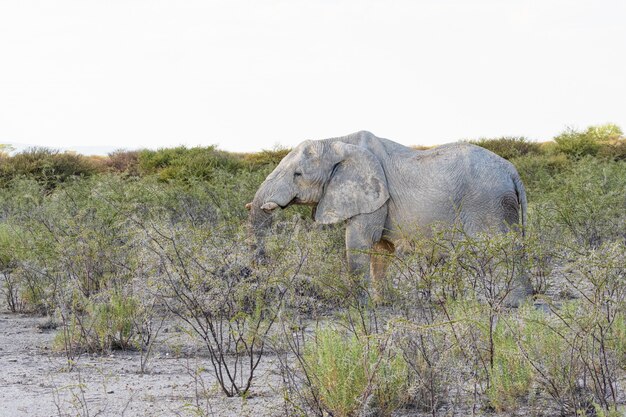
{"x":357,"y":185}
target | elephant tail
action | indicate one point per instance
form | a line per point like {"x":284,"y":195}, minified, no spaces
{"x":521,"y":199}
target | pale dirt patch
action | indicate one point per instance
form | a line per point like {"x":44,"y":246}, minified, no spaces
{"x":33,"y":381}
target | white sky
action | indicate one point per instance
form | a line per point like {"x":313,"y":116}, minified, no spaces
{"x":246,"y":75}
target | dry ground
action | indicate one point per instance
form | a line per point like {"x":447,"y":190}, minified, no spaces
{"x":34,"y":383}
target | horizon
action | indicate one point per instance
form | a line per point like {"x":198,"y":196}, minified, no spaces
{"x":103,"y":150}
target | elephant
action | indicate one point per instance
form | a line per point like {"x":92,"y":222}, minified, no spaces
{"x":381,"y":188}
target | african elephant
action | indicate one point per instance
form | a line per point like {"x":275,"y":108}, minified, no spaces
{"x":380,"y":188}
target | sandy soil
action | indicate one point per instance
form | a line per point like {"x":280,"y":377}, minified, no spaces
{"x":33,"y":380}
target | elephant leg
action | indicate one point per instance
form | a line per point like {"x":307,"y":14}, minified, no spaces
{"x":379,"y":263}
{"x":362,"y":232}
{"x":522,"y":287}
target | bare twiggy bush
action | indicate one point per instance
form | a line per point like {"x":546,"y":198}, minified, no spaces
{"x":147,"y":322}
{"x":206,"y":281}
{"x":590,"y":329}
{"x":452,"y":291}
{"x":10,"y":290}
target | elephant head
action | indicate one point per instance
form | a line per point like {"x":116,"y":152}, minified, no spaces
{"x":341,"y":180}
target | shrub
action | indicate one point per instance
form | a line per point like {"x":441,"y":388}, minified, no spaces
{"x":544,"y":343}
{"x":182,"y":163}
{"x":576,"y":144}
{"x":537,"y":171}
{"x":9,"y":255}
{"x":123,"y":162}
{"x":615,"y":151}
{"x":436,"y":366}
{"x":578,"y":350}
{"x":265,"y":157}
{"x":345,"y":370}
{"x":205,"y":280}
{"x":608,"y":132}
{"x":585,"y":203}
{"x":98,"y":324}
{"x":509,"y":147}
{"x":47,"y":166}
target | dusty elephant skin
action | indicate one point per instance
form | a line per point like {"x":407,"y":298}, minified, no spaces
{"x":380,"y":188}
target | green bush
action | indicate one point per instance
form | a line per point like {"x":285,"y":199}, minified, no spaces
{"x":346,"y":369}
{"x":511,"y":375}
{"x":537,"y":171}
{"x":615,"y":151}
{"x":265,"y":158}
{"x":545,"y":345}
{"x":509,"y":147}
{"x":584,"y":204}
{"x":47,"y":166}
{"x":608,"y":132}
{"x":600,"y":139}
{"x":97,"y":325}
{"x":182,"y":163}
{"x":9,"y":258}
{"x":576,"y":144}
{"x":8,"y":238}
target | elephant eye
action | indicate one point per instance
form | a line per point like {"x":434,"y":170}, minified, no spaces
{"x":297,"y":174}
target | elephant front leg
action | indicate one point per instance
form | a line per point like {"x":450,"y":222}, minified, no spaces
{"x":379,"y":263}
{"x":362,"y":232}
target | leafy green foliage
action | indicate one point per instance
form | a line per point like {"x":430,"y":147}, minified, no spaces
{"x":511,"y":375}
{"x":585,"y":202}
{"x":99,"y":324}
{"x":608,"y":132}
{"x":346,"y":369}
{"x":509,"y":147}
{"x":576,"y":144}
{"x":538,"y":171}
{"x":47,"y":166}
{"x":606,"y":140}
{"x":182,"y":163}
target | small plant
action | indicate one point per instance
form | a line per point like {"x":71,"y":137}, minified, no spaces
{"x":113,"y":321}
{"x":97,"y":325}
{"x":510,"y":376}
{"x":349,"y":373}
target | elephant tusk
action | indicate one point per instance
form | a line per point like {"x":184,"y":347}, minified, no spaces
{"x":248,"y":206}
{"x":269,"y":206}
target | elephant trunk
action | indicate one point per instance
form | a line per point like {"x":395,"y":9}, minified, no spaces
{"x":259,"y":223}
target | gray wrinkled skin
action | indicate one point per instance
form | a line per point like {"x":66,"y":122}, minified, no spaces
{"x":384,"y":190}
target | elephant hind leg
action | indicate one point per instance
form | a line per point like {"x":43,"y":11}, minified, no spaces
{"x":379,"y":262}
{"x":510,"y":210}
